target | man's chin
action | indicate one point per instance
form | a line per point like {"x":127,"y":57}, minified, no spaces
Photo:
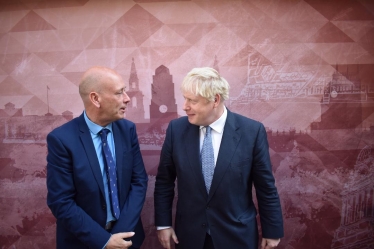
{"x":191,"y":120}
{"x":121,"y":116}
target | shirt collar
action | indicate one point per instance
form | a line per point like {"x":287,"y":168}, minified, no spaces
{"x":95,"y":128}
{"x":219,"y":124}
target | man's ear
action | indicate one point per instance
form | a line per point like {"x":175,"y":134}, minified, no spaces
{"x":217,"y":99}
{"x":95,"y":99}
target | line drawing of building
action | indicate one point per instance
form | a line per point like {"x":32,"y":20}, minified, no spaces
{"x":11,"y":111}
{"x":267,"y":83}
{"x":163,"y":104}
{"x":135,"y":109}
{"x":31,"y":128}
{"x":357,"y":214}
{"x":163,"y":109}
{"x":345,"y":88}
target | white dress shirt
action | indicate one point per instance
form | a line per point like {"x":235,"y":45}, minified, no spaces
{"x":217,"y":132}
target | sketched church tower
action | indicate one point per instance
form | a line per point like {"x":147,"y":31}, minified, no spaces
{"x":135,"y":109}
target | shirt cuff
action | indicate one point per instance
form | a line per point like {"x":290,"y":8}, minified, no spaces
{"x":162,"y":228}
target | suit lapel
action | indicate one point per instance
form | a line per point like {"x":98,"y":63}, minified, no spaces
{"x":88,"y":145}
{"x":192,"y":147}
{"x":229,"y":143}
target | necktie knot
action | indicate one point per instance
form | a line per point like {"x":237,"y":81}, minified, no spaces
{"x":208,"y":130}
{"x":103,"y":134}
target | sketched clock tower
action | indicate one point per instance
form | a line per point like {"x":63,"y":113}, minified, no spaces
{"x":163,"y":105}
{"x":135,"y":109}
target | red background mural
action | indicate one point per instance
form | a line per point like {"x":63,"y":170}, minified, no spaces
{"x":305,"y":68}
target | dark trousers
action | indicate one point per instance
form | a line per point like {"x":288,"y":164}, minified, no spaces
{"x":208,"y":244}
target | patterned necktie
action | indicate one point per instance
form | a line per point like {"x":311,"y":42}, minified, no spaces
{"x":110,"y":168}
{"x":207,"y":158}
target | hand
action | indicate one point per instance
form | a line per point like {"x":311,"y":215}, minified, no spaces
{"x":117,"y":241}
{"x":165,"y":235}
{"x":269,"y":243}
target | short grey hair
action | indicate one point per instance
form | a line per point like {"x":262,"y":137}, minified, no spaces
{"x":206,"y":82}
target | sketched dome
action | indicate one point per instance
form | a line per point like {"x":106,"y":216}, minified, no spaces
{"x":365,"y":159}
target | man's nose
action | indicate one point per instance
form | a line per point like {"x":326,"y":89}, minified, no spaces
{"x":185,"y":105}
{"x":126,"y":97}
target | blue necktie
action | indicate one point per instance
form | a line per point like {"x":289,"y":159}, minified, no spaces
{"x":207,"y":158}
{"x":110,"y":168}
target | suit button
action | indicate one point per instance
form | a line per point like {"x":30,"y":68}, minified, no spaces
{"x":103,"y":207}
{"x":203,"y":225}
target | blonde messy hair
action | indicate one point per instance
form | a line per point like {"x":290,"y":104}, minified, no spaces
{"x":206,"y":82}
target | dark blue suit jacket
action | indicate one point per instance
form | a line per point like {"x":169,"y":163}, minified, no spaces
{"x":76,"y":190}
{"x":243,"y":160}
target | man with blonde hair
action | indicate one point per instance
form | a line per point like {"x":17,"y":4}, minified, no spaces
{"x":96,"y":178}
{"x":216,"y":156}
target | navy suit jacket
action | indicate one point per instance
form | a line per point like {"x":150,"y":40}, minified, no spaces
{"x":228,"y":210}
{"x":76,"y":189}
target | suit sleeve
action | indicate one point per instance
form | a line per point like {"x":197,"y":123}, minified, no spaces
{"x":266,"y":192}
{"x":165,"y":183}
{"x":131,"y":211}
{"x":61,"y":197}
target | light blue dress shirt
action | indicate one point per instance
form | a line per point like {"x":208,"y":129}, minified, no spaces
{"x":94,"y":130}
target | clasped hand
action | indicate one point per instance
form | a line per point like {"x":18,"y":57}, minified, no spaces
{"x":117,"y":241}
